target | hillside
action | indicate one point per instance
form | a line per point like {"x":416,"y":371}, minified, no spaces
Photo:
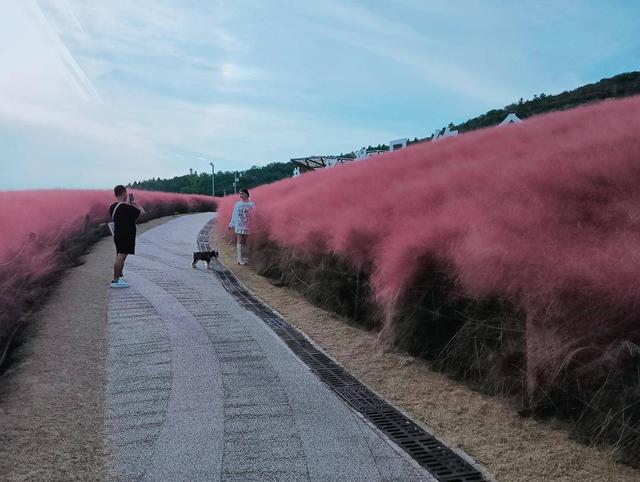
{"x":622,"y":85}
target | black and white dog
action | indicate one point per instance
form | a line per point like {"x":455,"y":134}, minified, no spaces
{"x":206,"y":256}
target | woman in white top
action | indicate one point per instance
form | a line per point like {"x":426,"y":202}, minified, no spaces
{"x":240,"y":223}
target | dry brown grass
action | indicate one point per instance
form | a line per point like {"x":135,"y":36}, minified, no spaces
{"x":52,"y":393}
{"x":511,"y":447}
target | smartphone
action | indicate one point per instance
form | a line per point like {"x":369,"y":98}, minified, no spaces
{"x":131,"y":197}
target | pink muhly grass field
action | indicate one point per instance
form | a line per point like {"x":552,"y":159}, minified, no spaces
{"x":40,"y":227}
{"x":544,"y":214}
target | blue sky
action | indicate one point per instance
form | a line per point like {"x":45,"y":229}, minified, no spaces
{"x":95,"y":93}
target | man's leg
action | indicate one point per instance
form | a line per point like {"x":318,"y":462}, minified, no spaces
{"x":118,"y":266}
{"x":115,"y":268}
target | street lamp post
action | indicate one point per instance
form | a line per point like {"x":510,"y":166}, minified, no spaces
{"x":213,"y":181}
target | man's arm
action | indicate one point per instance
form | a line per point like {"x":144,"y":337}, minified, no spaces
{"x":137,"y":206}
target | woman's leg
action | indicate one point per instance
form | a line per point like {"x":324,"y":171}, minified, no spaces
{"x":239,"y":249}
{"x":243,"y":244}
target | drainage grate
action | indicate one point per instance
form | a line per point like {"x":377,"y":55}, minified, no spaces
{"x":444,"y":464}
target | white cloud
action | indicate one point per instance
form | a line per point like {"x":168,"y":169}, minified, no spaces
{"x":149,"y":128}
{"x":72,"y":123}
{"x":38,"y":67}
{"x":151,"y":28}
{"x":90,"y":86}
{"x":399,"y":44}
{"x":42,"y":85}
{"x":234,"y":72}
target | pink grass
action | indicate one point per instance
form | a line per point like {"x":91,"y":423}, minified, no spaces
{"x":545,"y":214}
{"x":39,"y":227}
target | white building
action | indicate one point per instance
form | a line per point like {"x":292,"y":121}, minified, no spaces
{"x":365,"y":153}
{"x":511,"y":119}
{"x":447,"y":133}
{"x":333,"y":161}
{"x":398,"y":144}
{"x":317,"y":162}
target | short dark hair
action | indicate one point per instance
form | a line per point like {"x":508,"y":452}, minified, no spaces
{"x":119,"y":190}
{"x":244,"y":191}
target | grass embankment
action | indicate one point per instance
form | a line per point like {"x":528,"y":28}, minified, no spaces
{"x":509,"y":446}
{"x":509,"y":258}
{"x":45,"y":232}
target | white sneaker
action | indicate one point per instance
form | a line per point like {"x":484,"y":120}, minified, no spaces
{"x":119,"y":284}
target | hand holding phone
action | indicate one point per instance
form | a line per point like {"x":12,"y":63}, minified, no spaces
{"x":131,"y":199}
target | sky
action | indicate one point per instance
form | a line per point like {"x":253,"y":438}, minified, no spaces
{"x":95,"y":93}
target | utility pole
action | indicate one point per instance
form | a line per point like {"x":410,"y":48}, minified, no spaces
{"x":213,"y":181}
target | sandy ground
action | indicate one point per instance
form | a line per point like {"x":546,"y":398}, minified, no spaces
{"x":511,"y":447}
{"x":52,"y":396}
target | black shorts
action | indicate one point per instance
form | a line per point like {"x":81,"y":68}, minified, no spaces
{"x":125,"y":244}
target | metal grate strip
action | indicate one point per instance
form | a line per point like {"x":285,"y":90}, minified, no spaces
{"x":443,"y":463}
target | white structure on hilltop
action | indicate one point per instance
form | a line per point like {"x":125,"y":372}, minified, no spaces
{"x":318,"y":162}
{"x":332,"y":161}
{"x":511,"y":119}
{"x":447,"y":133}
{"x":364,"y":153}
{"x":398,"y":144}
{"x":361,"y":154}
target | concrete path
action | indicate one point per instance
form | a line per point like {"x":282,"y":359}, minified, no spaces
{"x":198,"y":388}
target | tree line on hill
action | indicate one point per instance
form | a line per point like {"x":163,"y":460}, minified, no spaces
{"x":200,"y":182}
{"x":622,"y":85}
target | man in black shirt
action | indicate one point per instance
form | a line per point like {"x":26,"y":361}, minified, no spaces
{"x":124,"y":212}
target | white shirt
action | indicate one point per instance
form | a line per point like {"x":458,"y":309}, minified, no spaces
{"x":240,"y":216}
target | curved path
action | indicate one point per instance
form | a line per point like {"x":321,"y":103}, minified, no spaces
{"x":198,"y":388}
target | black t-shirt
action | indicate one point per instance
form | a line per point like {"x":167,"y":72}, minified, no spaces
{"x":125,"y":218}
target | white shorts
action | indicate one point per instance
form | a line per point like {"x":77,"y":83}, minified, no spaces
{"x":242,"y":231}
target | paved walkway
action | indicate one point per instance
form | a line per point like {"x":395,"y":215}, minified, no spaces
{"x":198,"y":388}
